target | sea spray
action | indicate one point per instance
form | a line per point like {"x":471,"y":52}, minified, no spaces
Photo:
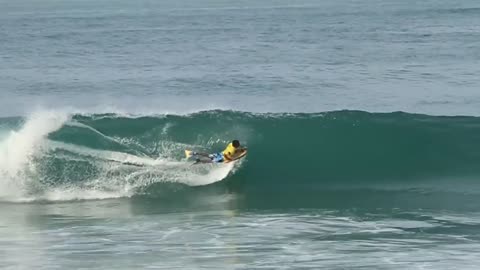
{"x":19,"y":148}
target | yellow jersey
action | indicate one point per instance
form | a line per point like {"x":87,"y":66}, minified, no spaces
{"x":230,"y":152}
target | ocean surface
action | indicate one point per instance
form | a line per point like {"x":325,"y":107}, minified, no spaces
{"x":362,"y":120}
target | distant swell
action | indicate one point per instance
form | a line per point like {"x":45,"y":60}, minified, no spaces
{"x":58,"y":157}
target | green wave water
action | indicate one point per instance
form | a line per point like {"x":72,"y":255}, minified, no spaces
{"x":349,"y":146}
{"x":302,"y":157}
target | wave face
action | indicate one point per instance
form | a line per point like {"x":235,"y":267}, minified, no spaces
{"x":54,"y":156}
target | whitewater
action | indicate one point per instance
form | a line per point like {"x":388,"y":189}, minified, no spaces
{"x":29,"y":170}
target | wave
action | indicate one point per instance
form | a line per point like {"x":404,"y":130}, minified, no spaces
{"x":56,"y":156}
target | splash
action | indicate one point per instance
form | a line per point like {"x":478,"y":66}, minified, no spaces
{"x":37,"y":165}
{"x":19,"y":148}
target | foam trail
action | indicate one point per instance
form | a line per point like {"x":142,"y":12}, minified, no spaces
{"x":33,"y":167}
{"x":118,"y":174}
{"x":106,"y":155}
{"x":160,"y":170}
{"x":18,"y":148}
{"x":177,"y":171}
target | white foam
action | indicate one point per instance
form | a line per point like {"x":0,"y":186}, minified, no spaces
{"x":129,"y":179}
{"x":160,"y":170}
{"x":71,"y":194}
{"x":19,"y":147}
{"x":116,"y":174}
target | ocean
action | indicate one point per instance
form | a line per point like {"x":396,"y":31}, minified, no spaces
{"x":361,"y":118}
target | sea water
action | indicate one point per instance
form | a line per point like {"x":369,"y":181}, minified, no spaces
{"x":361,"y":119}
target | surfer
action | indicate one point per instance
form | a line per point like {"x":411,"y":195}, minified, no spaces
{"x":232,"y":152}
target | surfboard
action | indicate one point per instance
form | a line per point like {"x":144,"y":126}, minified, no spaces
{"x":241,"y":155}
{"x":189,"y":154}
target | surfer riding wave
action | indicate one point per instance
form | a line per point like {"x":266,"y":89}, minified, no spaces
{"x":232,"y":152}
